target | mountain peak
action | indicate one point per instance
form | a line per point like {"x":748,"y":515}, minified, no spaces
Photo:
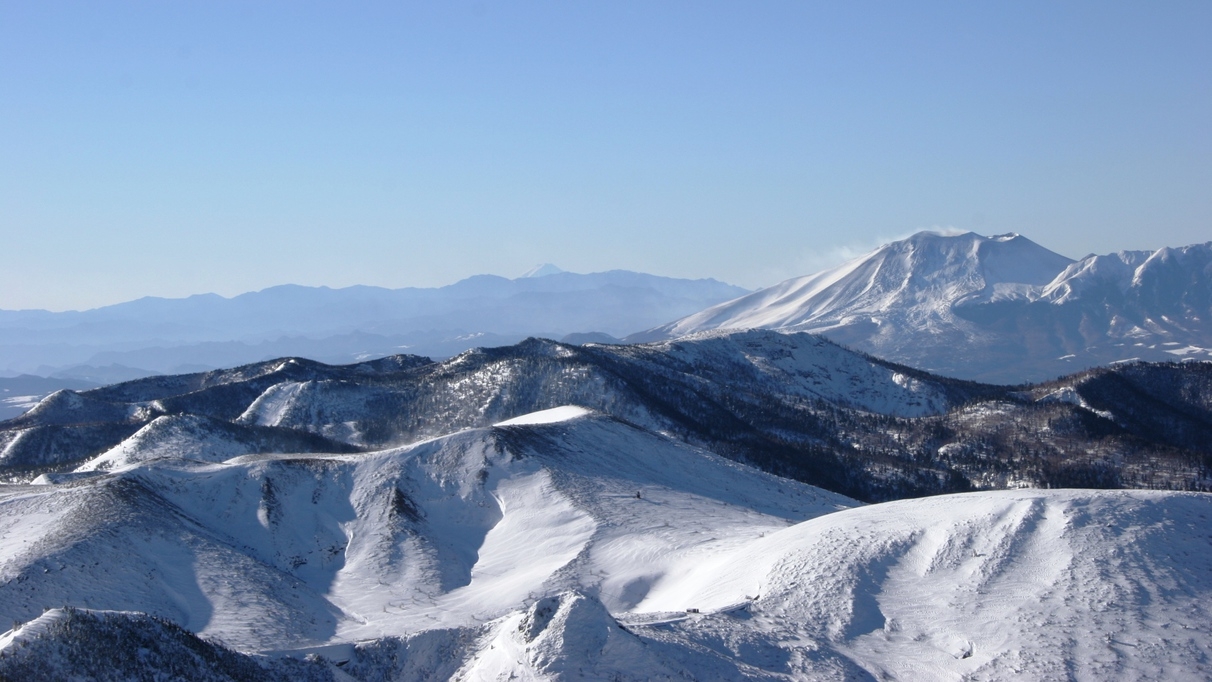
{"x":999,"y":308}
{"x":914,"y":281}
{"x":973,"y":246}
{"x":541,"y":271}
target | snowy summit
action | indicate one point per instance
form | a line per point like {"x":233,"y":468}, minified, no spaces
{"x":541,"y":271}
{"x":999,"y":308}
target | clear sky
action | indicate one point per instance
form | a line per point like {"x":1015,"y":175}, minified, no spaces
{"x":170,"y":148}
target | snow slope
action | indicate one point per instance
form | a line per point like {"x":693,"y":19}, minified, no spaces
{"x":1034,"y":585}
{"x":19,"y":394}
{"x":273,"y":551}
{"x":791,"y":403}
{"x":799,"y":365}
{"x":1000,"y":585}
{"x":996,"y":308}
{"x":914,"y":280}
{"x":569,"y":545}
{"x":118,"y":646}
{"x":187,"y":436}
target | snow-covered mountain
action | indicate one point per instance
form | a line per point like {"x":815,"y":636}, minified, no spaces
{"x":566,"y":545}
{"x":767,"y":398}
{"x":549,"y":511}
{"x":278,"y":552}
{"x":20,"y":393}
{"x":793,"y":404}
{"x":996,"y":308}
{"x":344,"y":325}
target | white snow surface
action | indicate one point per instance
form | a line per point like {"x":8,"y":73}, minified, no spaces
{"x":1070,"y":395}
{"x":542,"y":270}
{"x":918,"y":278}
{"x":996,"y":309}
{"x":568,"y":545}
{"x":996,"y":585}
{"x":271,"y":407}
{"x":555,"y":414}
{"x":181,"y":436}
{"x":809,"y":366}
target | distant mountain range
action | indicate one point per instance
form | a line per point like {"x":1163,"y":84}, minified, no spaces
{"x":1000,"y":309}
{"x":156,"y":335}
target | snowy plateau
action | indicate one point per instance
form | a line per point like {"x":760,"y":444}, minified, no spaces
{"x":1001,"y":309}
{"x":733,"y":505}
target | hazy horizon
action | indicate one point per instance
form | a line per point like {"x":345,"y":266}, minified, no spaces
{"x":826,"y":259}
{"x":170,"y":150}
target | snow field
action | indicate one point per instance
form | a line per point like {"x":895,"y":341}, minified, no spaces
{"x":568,"y":545}
{"x":997,"y":585}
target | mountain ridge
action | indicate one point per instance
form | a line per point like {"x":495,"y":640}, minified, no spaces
{"x":793,"y":404}
{"x":551,"y":511}
{"x":995,"y":309}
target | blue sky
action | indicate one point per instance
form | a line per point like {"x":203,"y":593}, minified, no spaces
{"x":171,"y":148}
